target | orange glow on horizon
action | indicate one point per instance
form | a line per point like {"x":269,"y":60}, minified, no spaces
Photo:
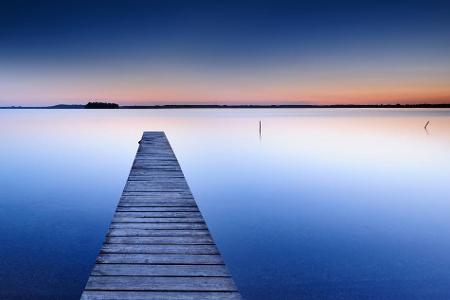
{"x":186,"y":86}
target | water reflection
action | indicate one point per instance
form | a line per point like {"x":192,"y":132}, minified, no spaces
{"x":260,"y":131}
{"x":349,"y":204}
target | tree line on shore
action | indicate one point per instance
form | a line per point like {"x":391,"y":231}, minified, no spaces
{"x":101,"y":105}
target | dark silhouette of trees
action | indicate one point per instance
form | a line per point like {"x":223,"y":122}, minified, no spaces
{"x":101,"y":105}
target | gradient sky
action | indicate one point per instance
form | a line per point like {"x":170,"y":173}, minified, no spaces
{"x":136,"y":52}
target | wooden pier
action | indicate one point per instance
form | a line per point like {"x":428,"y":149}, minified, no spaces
{"x":158,"y":245}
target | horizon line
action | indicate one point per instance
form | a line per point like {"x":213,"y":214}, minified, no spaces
{"x":207,"y":105}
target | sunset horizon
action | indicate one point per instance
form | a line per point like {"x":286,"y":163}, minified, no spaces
{"x":229,"y":103}
{"x":235,"y":52}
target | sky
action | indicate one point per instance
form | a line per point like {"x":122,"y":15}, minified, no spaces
{"x":224,"y":52}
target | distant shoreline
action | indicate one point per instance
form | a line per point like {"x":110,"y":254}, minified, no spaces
{"x":203,"y":106}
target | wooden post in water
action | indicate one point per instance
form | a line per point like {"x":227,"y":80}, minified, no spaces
{"x":260,"y":128}
{"x":158,"y":245}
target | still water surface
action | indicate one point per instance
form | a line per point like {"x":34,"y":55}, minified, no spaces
{"x":325,"y":204}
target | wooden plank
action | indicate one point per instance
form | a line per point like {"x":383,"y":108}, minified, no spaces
{"x":149,"y":186}
{"x":155,"y":233}
{"x":157,"y":226}
{"x":135,"y":295}
{"x":141,"y":283}
{"x":150,"y":180}
{"x":156,"y":208}
{"x":147,"y":172}
{"x":159,"y":249}
{"x":157,"y":195}
{"x":111,"y":258}
{"x":152,"y":167}
{"x":156,"y":220}
{"x":146,"y":150}
{"x":152,"y":159}
{"x":159,"y":270}
{"x":156,"y":160}
{"x":166,"y":240}
{"x":158,"y":245}
{"x":160,"y":203}
{"x":159,"y":214}
{"x":158,"y":178}
{"x":151,"y":200}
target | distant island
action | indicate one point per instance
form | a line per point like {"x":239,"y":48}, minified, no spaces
{"x":101,"y":105}
{"x":108,"y":105}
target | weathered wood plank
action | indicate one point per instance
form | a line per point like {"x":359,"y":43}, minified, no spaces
{"x":159,"y":214}
{"x":141,"y":283}
{"x":146,"y":172}
{"x":180,"y":240}
{"x":158,"y":178}
{"x":159,"y":270}
{"x":159,"y":249}
{"x":156,"y":220}
{"x":130,"y":197}
{"x":145,"y":149}
{"x":157,"y":195}
{"x":158,"y":245}
{"x":162,"y":169}
{"x":156,"y":209}
{"x":156,"y":161}
{"x":157,"y":226}
{"x":134,"y":295}
{"x":155,"y":199}
{"x":157,"y":181}
{"x":160,"y":203}
{"x":155,"y":233}
{"x":152,"y":201}
{"x":148,"y":186}
{"x":161,"y":194}
{"x":151,"y":166}
{"x":110,"y":258}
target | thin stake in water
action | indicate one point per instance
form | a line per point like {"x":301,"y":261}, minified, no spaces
{"x":259,"y":129}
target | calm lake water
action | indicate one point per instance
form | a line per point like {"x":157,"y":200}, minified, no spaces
{"x":326,"y":204}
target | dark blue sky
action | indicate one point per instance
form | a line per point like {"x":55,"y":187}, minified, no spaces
{"x":210,"y":51}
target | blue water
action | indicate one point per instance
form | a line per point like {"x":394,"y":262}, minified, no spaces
{"x":325,"y":204}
